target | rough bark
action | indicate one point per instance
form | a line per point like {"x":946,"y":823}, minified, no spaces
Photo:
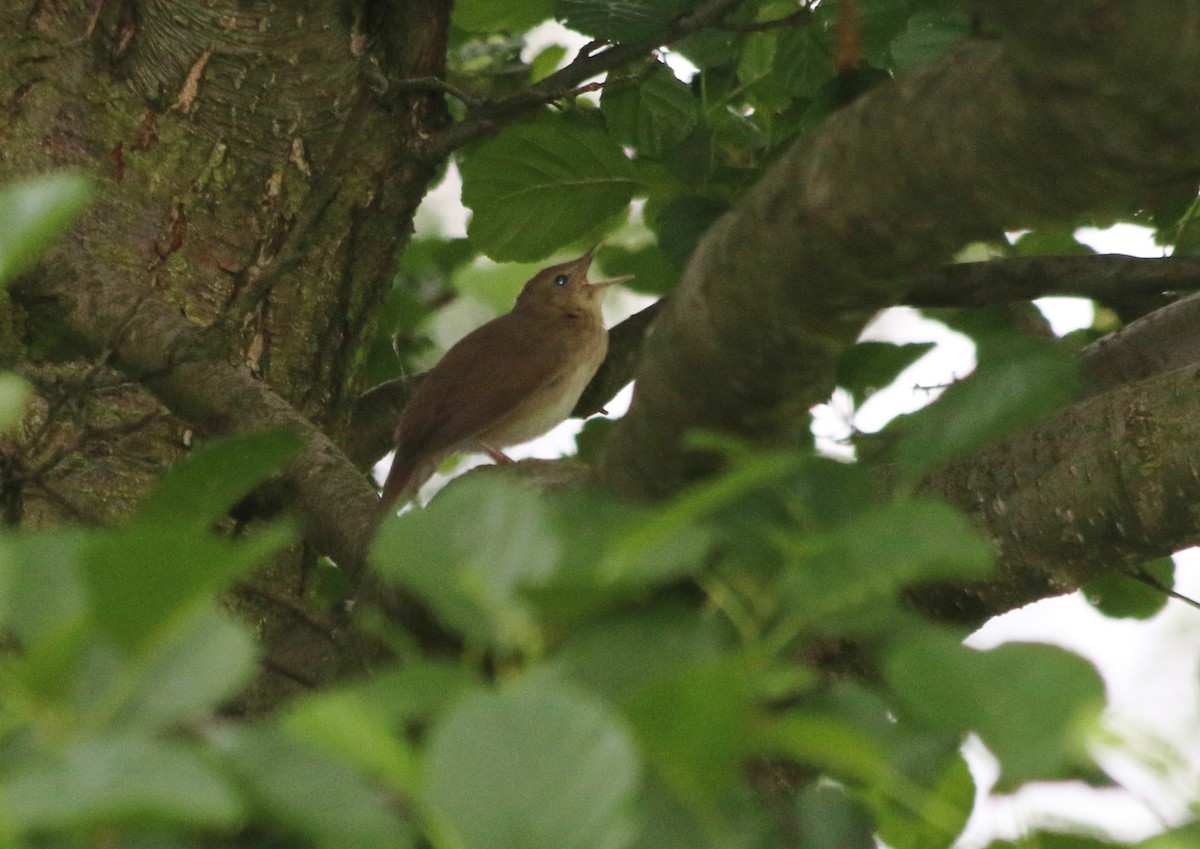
{"x":255,"y":183}
{"x":1110,"y":483}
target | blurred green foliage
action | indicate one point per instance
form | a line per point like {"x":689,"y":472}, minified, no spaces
{"x":632,"y":677}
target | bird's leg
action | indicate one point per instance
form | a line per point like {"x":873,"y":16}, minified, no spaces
{"x":495,"y":453}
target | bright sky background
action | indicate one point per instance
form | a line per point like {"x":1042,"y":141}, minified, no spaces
{"x":1150,"y":669}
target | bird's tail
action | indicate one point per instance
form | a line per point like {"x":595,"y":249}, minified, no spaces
{"x":403,"y":480}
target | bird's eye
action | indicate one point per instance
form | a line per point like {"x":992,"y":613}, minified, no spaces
{"x":560,"y":280}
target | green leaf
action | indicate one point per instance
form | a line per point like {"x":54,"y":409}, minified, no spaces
{"x":867,"y":367}
{"x":619,"y":655}
{"x":914,"y":817}
{"x":215,"y":476}
{"x":8,"y":568}
{"x":35,"y":212}
{"x":828,"y":743}
{"x":1019,"y":381}
{"x":115,"y":780}
{"x":207,"y":658}
{"x":682,"y":221}
{"x":825,"y":494}
{"x":14,"y":391}
{"x":141,"y":578}
{"x":928,"y":35}
{"x":468,"y":554}
{"x":419,"y":691}
{"x":621,"y":20}
{"x":652,"y":114}
{"x":694,"y":723}
{"x":803,"y":65}
{"x":546,"y":62}
{"x":537,"y":187}
{"x":613,"y":550}
{"x":309,"y":794}
{"x":757,"y":62}
{"x":830,"y":819}
{"x":1055,"y":241}
{"x":1058,"y":840}
{"x":1121,"y":596}
{"x":653,"y":273}
{"x":861,"y":565}
{"x":1029,"y":703}
{"x":488,"y":16}
{"x":1178,"y":838}
{"x":532,"y":768}
{"x":350,"y":728}
{"x":47,"y":592}
{"x":913,"y":780}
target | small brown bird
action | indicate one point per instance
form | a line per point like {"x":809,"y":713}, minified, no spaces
{"x":506,"y":382}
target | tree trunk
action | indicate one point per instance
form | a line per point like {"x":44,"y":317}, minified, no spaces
{"x":255,"y":181}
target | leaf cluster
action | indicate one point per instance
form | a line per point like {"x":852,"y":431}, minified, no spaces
{"x":676,"y":136}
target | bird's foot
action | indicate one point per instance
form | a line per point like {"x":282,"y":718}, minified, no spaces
{"x":496,"y":454}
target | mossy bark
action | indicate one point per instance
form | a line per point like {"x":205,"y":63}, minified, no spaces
{"x":255,"y":182}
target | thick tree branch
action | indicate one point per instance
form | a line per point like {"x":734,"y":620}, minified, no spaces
{"x":894,"y":183}
{"x":1165,"y":339}
{"x":154,"y":344}
{"x":1108,"y":483}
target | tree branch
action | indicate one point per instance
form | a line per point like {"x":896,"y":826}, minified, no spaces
{"x":1101,"y":277}
{"x":1098,"y":487}
{"x":1161,"y":341}
{"x":158,"y":347}
{"x":486,"y":118}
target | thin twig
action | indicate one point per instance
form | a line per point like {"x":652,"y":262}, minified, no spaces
{"x":488,"y":117}
{"x":801,"y":16}
{"x":1151,"y":581}
{"x":439,"y":85}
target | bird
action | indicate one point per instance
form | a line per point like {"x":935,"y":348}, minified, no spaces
{"x":506,"y":382}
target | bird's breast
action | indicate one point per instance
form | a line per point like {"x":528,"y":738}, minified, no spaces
{"x":553,"y":401}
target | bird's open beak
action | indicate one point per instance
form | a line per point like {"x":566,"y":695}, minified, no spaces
{"x":612,"y":281}
{"x":586,"y":262}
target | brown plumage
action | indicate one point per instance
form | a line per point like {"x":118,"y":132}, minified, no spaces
{"x":506,"y":382}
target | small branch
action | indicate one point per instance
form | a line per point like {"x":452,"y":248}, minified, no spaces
{"x":1102,"y":277}
{"x":436,"y":84}
{"x":801,"y":16}
{"x":1149,"y":580}
{"x":486,"y":118}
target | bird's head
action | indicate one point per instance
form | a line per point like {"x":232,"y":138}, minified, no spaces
{"x":565,"y":288}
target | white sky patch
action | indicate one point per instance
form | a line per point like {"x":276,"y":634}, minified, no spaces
{"x":1128,"y":239}
{"x":1067,"y":314}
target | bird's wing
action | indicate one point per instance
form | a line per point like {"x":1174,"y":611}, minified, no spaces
{"x":502,"y":362}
